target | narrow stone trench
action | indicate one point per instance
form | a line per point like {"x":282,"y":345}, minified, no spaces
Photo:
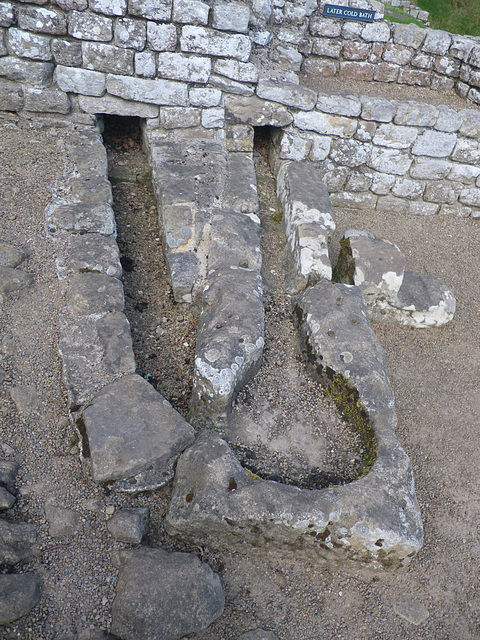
{"x":282,"y":426}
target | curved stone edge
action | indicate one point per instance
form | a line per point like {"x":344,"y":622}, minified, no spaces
{"x":375,"y":520}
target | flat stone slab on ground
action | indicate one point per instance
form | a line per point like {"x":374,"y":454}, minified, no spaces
{"x":61,"y":521}
{"x":234,"y":241}
{"x":10,"y":256}
{"x":16,"y":543}
{"x":19,"y":593}
{"x":164,"y":596}
{"x":258,"y":634}
{"x":93,"y":293}
{"x":90,"y":252}
{"x":410,"y":609}
{"x":134,"y":434}
{"x":25,"y":397}
{"x":95,"y":351}
{"x":80,"y":218}
{"x":12,"y":280}
{"x":129,"y":525}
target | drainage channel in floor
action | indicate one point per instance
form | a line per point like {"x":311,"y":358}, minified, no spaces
{"x":163,"y":332}
{"x":283,"y":427}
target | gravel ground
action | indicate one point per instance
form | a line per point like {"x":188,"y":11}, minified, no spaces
{"x":435,"y":374}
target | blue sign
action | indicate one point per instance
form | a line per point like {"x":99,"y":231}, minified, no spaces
{"x":348,"y":13}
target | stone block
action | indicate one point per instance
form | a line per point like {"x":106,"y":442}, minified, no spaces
{"x":320,"y":67}
{"x":422,"y":208}
{"x":229,"y":342}
{"x":70,"y":5}
{"x":42,"y":99}
{"x":187,"y":599}
{"x":213,"y":118}
{"x":161,"y":37}
{"x":339,"y":104}
{"x":89,"y":26}
{"x":11,"y":257}
{"x":467,"y":150}
{"x":177,"y":66}
{"x":442,"y":191}
{"x":66,"y":53}
{"x":365,"y":130}
{"x":7,"y":14}
{"x":160,"y":92}
{"x":109,"y":7}
{"x":359,"y":181}
{"x":470,"y":197}
{"x":307,"y":217}
{"x":353,"y":50}
{"x":397,"y":54}
{"x":389,"y":204}
{"x":359,"y":70}
{"x":391,"y":161}
{"x":17,"y":543}
{"x":80,"y":218}
{"x":470,"y":126}
{"x":231,"y":16}
{"x":447,"y":67}
{"x":436,"y":42}
{"x":320,"y":147}
{"x":382,"y":183}
{"x":154,"y":9}
{"x":117,"y":106}
{"x":418,"y":78}
{"x":130,"y":33}
{"x":430,"y":169}
{"x":25,"y":44}
{"x":12,"y":280}
{"x":129,"y":525}
{"x":320,"y":26}
{"x":230,"y":86}
{"x":184,"y":270}
{"x":239,"y":137}
{"x":145,"y":64}
{"x":179,"y":117}
{"x":406,"y":188}
{"x":11,"y":95}
{"x":458,"y":210}
{"x":107,"y":58}
{"x":351,"y":153}
{"x":43,"y":20}
{"x":90,"y":253}
{"x":376,"y":32}
{"x":326,"y":124}
{"x":234,"y":241}
{"x":449,"y":120}
{"x":290,"y":145}
{"x":434,"y":144}
{"x":213,"y":43}
{"x":240,"y":191}
{"x":416,"y":114}
{"x":95,"y":351}
{"x":349,"y":200}
{"x":328,"y":47}
{"x":19,"y":593}
{"x":394,"y":136}
{"x":190,"y":12}
{"x":464,"y":173}
{"x":256,"y":112}
{"x":239,"y":71}
{"x":204,"y":97}
{"x":134,"y":433}
{"x":90,"y":294}
{"x":74,"y":80}
{"x":62,"y":522}
{"x":422,"y":61}
{"x":287,"y":93}
{"x":377,"y":109}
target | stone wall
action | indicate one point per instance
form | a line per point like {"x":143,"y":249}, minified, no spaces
{"x":179,"y":62}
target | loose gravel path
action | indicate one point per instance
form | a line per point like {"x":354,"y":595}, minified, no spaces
{"x":435,"y":374}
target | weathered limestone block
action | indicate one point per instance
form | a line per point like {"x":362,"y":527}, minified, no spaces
{"x":92,"y":253}
{"x":154,"y":9}
{"x":164,"y":596}
{"x":190,"y":12}
{"x":339,"y":105}
{"x":117,"y":106}
{"x":434,"y":144}
{"x":231,"y":86}
{"x":239,"y":71}
{"x":422,"y":301}
{"x":180,"y":117}
{"x":184,"y":269}
{"x":239,"y":137}
{"x":129,"y":525}
{"x":107,"y":58}
{"x":19,"y":593}
{"x":109,"y":7}
{"x":234,"y":241}
{"x":437,"y":42}
{"x":66,"y":53}
{"x":351,"y":153}
{"x":161,"y":37}
{"x":289,"y":145}
{"x":134,"y":435}
{"x":41,"y":99}
{"x":130,"y":33}
{"x":375,"y":266}
{"x":470,"y":125}
{"x":145,"y":64}
{"x":25,"y":44}
{"x":161,"y":92}
{"x":213,"y":43}
{"x":10,"y":256}
{"x":288,"y":93}
{"x":377,"y":109}
{"x":73,"y":80}
{"x":231,"y":16}
{"x":416,"y":114}
{"x":307,"y":216}
{"x":390,"y":161}
{"x":229,"y":342}
{"x":177,"y":66}
{"x":92,"y":294}
{"x":12,"y":280}
{"x":43,"y":20}
{"x":11,"y":95}
{"x":95,"y":351}
{"x":80,"y":218}
{"x":7,"y":14}
{"x":204,"y":97}
{"x":256,"y":112}
{"x":90,"y":26}
{"x":17,"y":543}
{"x":240,"y":191}
{"x":427,"y":168}
{"x":394,"y":136}
{"x":29,"y":71}
{"x":467,"y":150}
{"x":326,"y":124}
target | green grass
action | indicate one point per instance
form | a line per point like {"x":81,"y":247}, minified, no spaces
{"x":401,"y":17}
{"x":455,"y":16}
